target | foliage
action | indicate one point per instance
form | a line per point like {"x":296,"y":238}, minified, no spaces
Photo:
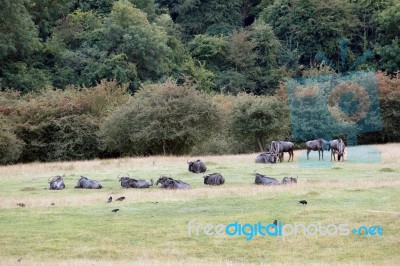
{"x":18,"y":35}
{"x":258,"y":119}
{"x":389,"y":92}
{"x":63,"y":125}
{"x":388,"y":47}
{"x":312,"y":26}
{"x":208,"y":17}
{"x":162,"y":118}
{"x":10,"y":145}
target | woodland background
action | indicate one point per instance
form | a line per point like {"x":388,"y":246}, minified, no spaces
{"x":104,"y":78}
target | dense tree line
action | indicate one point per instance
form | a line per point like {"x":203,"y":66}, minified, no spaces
{"x":105,"y":78}
{"x":164,"y":118}
{"x":230,"y":46}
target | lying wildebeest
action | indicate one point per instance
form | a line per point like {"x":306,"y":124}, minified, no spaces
{"x":265,"y":180}
{"x":318,"y":145}
{"x":289,"y":180}
{"x":57,"y":183}
{"x":128,"y":182}
{"x":84,"y":182}
{"x":197,"y":166}
{"x":280,"y":147}
{"x":266,"y":157}
{"x":337,"y":146}
{"x":170,"y":183}
{"x":214,"y":179}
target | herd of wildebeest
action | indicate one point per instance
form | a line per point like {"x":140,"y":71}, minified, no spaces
{"x":273,"y":154}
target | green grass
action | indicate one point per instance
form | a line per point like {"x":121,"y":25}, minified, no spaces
{"x":152,"y":225}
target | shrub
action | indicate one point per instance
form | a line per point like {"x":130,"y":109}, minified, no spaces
{"x":63,"y":125}
{"x":162,"y":118}
{"x":256,"y":120}
{"x":10,"y":146}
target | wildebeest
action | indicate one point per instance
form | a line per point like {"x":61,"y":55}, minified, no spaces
{"x":84,"y":182}
{"x":337,"y":146}
{"x":57,"y":183}
{"x":197,"y":166}
{"x":265,"y":180}
{"x":170,"y":183}
{"x":266,"y":157}
{"x":280,"y":147}
{"x":318,"y":145}
{"x":215,"y":179}
{"x":128,"y":182}
{"x":289,"y":180}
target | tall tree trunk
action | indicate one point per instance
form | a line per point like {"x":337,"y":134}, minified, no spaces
{"x":164,"y":146}
{"x":260,"y":145}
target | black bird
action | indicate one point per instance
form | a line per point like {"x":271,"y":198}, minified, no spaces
{"x":115,"y":210}
{"x":120,"y":199}
{"x":275,"y":222}
{"x":303,"y":202}
{"x":21,"y":204}
{"x":20,"y":259}
{"x":52,"y":203}
{"x":109,"y":199}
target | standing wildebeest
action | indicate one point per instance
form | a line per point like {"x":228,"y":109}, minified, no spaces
{"x":265,"y":180}
{"x":337,"y":146}
{"x":84,"y":182}
{"x":318,"y":145}
{"x":289,"y":180}
{"x":197,"y":166}
{"x":214,"y":179}
{"x":170,"y":183}
{"x":57,"y":183}
{"x":128,"y":182}
{"x":266,"y":157}
{"x":279,"y":147}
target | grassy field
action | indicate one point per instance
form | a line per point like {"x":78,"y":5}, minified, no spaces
{"x":151,"y":227}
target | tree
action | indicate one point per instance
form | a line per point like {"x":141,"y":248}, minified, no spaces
{"x":18,"y":35}
{"x":63,"y":124}
{"x":164,"y":118}
{"x":388,"y":46}
{"x":208,"y":17}
{"x":18,"y":43}
{"x":313,"y":26}
{"x":127,"y":31}
{"x":257,"y":119}
{"x":45,"y":14}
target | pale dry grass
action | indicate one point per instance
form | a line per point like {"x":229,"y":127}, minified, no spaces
{"x":169,"y":262}
{"x":116,"y":167}
{"x":344,"y":176}
{"x":161,"y":195}
{"x":174,"y":262}
{"x":390,"y":153}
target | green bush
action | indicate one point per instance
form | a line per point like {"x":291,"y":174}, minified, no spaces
{"x":10,"y":146}
{"x":162,"y":118}
{"x":256,"y":120}
{"x":63,"y":125}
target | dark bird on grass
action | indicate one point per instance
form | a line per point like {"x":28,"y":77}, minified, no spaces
{"x":115,"y":210}
{"x":20,"y":259}
{"x":275,"y":222}
{"x":303,"y":202}
{"x":120,"y":199}
{"x":109,"y":200}
{"x":21,"y":204}
{"x":52,"y":203}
